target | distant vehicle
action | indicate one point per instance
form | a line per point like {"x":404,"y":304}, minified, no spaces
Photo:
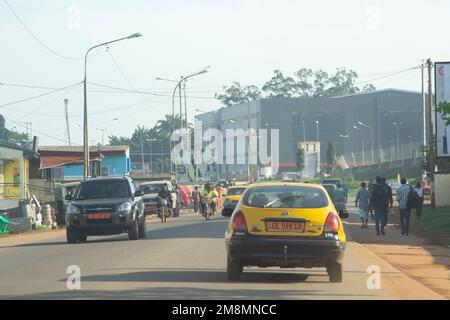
{"x":231,"y":200}
{"x":105,"y":206}
{"x":336,"y":182}
{"x":286,"y":225}
{"x":151,"y":190}
{"x":394,"y":186}
{"x":331,"y":189}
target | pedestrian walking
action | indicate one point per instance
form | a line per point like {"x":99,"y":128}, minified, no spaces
{"x":420,"y":195}
{"x":196,"y":199}
{"x":379,"y":202}
{"x":220,"y":190}
{"x":371,"y":182}
{"x":390,"y":199}
{"x":403,"y":193}
{"x":362,"y":202}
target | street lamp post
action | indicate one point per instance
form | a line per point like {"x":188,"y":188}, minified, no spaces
{"x":178,"y":86}
{"x":86,"y":171}
{"x":397,"y":127}
{"x":317,"y":129}
{"x":372,"y":139}
{"x":151,"y":153}
{"x":362,"y":144}
{"x":304,"y":131}
{"x":344,"y":136}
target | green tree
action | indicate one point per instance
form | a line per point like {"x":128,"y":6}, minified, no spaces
{"x":331,"y":158}
{"x":444,"y":109}
{"x":304,"y":86}
{"x":305,"y":83}
{"x":342,"y":83}
{"x":321,"y":81}
{"x":300,"y":159}
{"x":236,"y":94}
{"x":10,"y":136}
{"x":280,"y":85}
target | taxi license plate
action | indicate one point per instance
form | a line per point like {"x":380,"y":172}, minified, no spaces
{"x":97,"y":216}
{"x":285,"y":226}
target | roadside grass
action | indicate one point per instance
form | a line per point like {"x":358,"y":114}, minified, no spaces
{"x":434,"y":225}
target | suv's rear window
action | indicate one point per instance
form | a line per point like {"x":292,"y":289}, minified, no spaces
{"x":151,"y":188}
{"x":103,"y":189}
{"x":285,"y":197}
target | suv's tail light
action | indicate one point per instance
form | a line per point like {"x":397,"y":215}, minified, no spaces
{"x":238,"y":222}
{"x":332,"y":223}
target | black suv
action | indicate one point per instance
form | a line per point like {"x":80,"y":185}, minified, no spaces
{"x":105,"y":206}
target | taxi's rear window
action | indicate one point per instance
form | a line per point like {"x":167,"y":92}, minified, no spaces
{"x":285,"y":197}
{"x":235,"y":191}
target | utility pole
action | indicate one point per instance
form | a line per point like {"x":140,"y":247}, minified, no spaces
{"x":185,"y":103}
{"x":142,"y":154}
{"x":431,"y":140}
{"x":103,"y":134}
{"x":424,"y":108}
{"x":66,"y":114}
{"x":181,"y":108}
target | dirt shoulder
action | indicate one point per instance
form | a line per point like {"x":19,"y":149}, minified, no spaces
{"x":417,"y":257}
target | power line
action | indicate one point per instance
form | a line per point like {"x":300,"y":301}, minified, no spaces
{"x":45,"y":104}
{"x":38,"y":96}
{"x":387,"y":76}
{"x":40,"y":132}
{"x":146,"y":92}
{"x":36,"y":38}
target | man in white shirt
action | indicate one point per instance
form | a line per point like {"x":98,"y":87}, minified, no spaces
{"x":402,"y":198}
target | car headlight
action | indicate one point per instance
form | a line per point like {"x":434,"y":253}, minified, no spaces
{"x":71,"y":209}
{"x":124,"y":207}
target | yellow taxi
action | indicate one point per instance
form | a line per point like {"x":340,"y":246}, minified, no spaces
{"x":231,"y":199}
{"x":286,"y":225}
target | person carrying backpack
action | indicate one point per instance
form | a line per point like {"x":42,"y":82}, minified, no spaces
{"x":379,"y":202}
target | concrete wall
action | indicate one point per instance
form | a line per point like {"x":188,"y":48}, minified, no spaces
{"x":117,"y":165}
{"x":442,"y":189}
{"x":12,"y":178}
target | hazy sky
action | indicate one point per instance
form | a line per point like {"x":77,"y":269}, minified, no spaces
{"x":241,"y":40}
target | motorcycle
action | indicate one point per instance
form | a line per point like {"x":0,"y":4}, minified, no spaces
{"x":205,"y":206}
{"x":164,"y":210}
{"x":213,"y":206}
{"x":340,"y":204}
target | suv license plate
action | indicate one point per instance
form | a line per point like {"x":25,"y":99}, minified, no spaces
{"x":96,"y":216}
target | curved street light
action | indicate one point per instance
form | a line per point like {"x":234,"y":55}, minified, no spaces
{"x":362,"y":144}
{"x":371,"y":137}
{"x":173,"y":103}
{"x":86,"y":168}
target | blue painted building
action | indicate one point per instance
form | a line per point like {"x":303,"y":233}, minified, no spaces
{"x":65,"y":163}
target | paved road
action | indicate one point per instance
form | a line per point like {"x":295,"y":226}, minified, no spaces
{"x":183,"y":259}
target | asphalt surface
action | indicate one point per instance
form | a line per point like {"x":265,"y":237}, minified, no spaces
{"x":182,"y":259}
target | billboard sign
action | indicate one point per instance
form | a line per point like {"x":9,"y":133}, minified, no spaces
{"x":442,"y":93}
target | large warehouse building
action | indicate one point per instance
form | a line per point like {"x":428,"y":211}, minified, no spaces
{"x":365,"y":128}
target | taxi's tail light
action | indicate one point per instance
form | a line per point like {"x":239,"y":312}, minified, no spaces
{"x":332,"y":223}
{"x":238,"y":222}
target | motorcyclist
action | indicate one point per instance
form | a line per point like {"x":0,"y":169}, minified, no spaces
{"x":340,"y":197}
{"x":166,"y":195}
{"x":208,"y":193}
